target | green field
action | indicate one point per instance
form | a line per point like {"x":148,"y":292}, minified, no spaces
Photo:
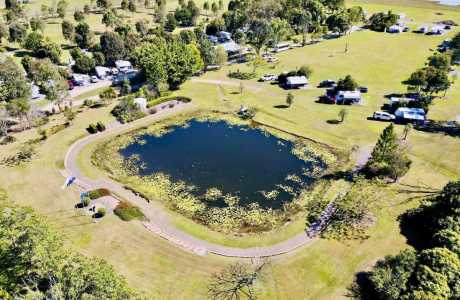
{"x":322,"y":270}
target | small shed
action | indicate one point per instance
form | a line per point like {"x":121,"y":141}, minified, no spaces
{"x":296,"y":81}
{"x":141,"y":103}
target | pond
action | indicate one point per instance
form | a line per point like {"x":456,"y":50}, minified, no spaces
{"x":237,"y":160}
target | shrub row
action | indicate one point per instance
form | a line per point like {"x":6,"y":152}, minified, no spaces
{"x":98,"y":193}
{"x":127,"y":212}
{"x":168,"y":98}
{"x":242,"y":75}
{"x":95,"y":128}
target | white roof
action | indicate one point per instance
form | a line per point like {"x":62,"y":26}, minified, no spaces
{"x":410,"y":113}
{"x":295,"y":80}
{"x":123,"y":64}
{"x":231,"y":46}
{"x":349,"y":94}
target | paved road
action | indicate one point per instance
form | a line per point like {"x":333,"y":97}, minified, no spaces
{"x":159,"y":221}
{"x":77,"y":91}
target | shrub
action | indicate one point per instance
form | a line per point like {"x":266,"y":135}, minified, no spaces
{"x":127,"y":212}
{"x":88,"y":102}
{"x":100,"y":126}
{"x":100,"y":212}
{"x":92,"y":129}
{"x":168,"y":98}
{"x":242,"y":75}
{"x":85,"y":201}
{"x":95,"y":194}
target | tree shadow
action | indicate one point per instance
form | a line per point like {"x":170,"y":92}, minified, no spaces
{"x":281,"y":106}
{"x":235,"y":93}
{"x":21,"y":53}
{"x":361,"y":287}
{"x":333,"y":122}
{"x":447,"y":128}
{"x":348,"y":175}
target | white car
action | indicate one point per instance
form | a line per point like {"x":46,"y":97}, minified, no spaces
{"x":269,"y":77}
{"x":383,"y":116}
{"x":94,"y":79}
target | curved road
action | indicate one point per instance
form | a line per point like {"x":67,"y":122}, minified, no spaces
{"x":158,"y":220}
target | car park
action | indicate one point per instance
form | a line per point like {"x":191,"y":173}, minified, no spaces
{"x":383,"y":116}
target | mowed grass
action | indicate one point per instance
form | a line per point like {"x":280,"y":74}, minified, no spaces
{"x":322,"y":270}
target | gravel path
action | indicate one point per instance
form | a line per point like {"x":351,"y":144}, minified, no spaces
{"x":159,"y":221}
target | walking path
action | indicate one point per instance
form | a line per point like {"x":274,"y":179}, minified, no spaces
{"x":159,"y":221}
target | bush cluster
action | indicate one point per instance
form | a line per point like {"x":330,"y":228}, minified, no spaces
{"x":95,"y":128}
{"x":127,"y":212}
{"x":99,"y":193}
{"x":241,"y":75}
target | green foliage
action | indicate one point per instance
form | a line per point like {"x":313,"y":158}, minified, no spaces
{"x":388,"y":159}
{"x":68,"y":30}
{"x":430,"y":80}
{"x":161,"y":100}
{"x":86,"y":201}
{"x":101,"y":212}
{"x":439,"y":61}
{"x":17,"y":32}
{"x":113,"y":46}
{"x":100,"y":126}
{"x":347,"y":84}
{"x":24,"y":155}
{"x":127,"y":212}
{"x":127,"y":111}
{"x":241,"y":75}
{"x":430,"y":273}
{"x":382,"y":21}
{"x":171,"y":22}
{"x":83,"y":35}
{"x":14,"y":84}
{"x":83,"y":63}
{"x":95,"y":128}
{"x":33,"y":253}
{"x":99,"y":193}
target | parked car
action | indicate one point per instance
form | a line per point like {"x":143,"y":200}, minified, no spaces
{"x":383,"y":116}
{"x":363,"y":89}
{"x":327,"y":83}
{"x":94,"y":79}
{"x":268,"y":77}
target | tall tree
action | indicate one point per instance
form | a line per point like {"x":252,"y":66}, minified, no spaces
{"x":113,"y":47}
{"x":68,"y":30}
{"x":259,"y":33}
{"x":83,"y":35}
{"x":14,"y":84}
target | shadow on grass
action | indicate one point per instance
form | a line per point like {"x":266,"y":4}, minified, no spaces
{"x":447,"y":128}
{"x":281,"y":106}
{"x":333,"y":122}
{"x":361,"y":287}
{"x":21,"y":53}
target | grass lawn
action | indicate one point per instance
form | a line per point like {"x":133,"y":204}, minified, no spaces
{"x":322,"y":270}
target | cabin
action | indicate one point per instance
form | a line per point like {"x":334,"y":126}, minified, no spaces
{"x":123,"y":66}
{"x":410,"y":115}
{"x":294,"y":82}
{"x":282,"y":47}
{"x":348,"y":97}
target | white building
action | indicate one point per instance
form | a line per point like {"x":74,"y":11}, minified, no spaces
{"x":348,"y":97}
{"x":410,"y":114}
{"x":395,"y":29}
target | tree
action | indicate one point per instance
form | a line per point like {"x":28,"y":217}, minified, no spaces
{"x":113,"y":47}
{"x":109,"y":18}
{"x":142,"y":27}
{"x":19,"y":108}
{"x":33,"y":41}
{"x":83,"y":35}
{"x":150,"y":59}
{"x":305,"y":70}
{"x":206,"y":6}
{"x":259,"y":34}
{"x":132,"y":6}
{"x":388,"y":159}
{"x":416,"y":81}
{"x":4,"y":31}
{"x":280,"y":29}
{"x":50,"y":50}
{"x":197,"y":63}
{"x":347,"y":84}
{"x":14,"y":84}
{"x":124,"y":4}
{"x":125,"y":88}
{"x":343,"y":114}
{"x":32,"y":253}
{"x":289,"y":99}
{"x":221,"y":56}
{"x":382,"y":21}
{"x":78,"y":15}
{"x":104,"y":4}
{"x":302,"y":22}
{"x":68,"y":30}
{"x":214,"y":9}
{"x":437,"y":80}
{"x":339,"y":23}
{"x":439,"y":61}
{"x":83,"y":63}
{"x":37,"y":24}
{"x":17,"y":32}
{"x":86,"y":9}
{"x":406,"y":130}
{"x":61,"y":8}
{"x":234,"y":282}
{"x":170,"y":23}
{"x":107,"y":95}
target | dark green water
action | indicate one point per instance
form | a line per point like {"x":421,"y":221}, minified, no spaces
{"x":240,"y":161}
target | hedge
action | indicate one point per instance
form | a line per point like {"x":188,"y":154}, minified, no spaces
{"x":95,"y":194}
{"x":127,"y":212}
{"x":168,"y":98}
